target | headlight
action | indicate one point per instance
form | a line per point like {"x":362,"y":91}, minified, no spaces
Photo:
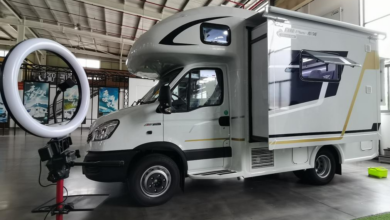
{"x":103,"y":131}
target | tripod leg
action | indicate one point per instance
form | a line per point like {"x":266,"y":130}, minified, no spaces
{"x":60,"y":197}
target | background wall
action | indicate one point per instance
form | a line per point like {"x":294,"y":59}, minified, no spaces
{"x":53,"y":60}
{"x":351,"y":9}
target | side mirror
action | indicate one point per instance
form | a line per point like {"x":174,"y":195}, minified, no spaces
{"x":165,"y":99}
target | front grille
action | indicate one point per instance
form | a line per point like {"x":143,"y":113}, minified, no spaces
{"x":262,"y":157}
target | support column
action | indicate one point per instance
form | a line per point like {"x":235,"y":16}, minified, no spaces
{"x":21,"y":33}
{"x":43,"y":58}
{"x":120,"y":58}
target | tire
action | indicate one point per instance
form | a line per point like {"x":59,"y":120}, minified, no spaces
{"x":300,"y":174}
{"x":153,"y":180}
{"x":324,"y":168}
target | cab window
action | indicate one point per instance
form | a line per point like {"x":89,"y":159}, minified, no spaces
{"x":198,"y":88}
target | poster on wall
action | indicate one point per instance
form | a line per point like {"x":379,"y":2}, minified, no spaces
{"x":3,"y":112}
{"x":71,"y":99}
{"x":36,"y":100}
{"x":108,"y":100}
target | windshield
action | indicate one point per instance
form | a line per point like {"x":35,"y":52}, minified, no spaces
{"x":152,"y":95}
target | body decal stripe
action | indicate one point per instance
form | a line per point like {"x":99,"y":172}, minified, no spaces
{"x":375,"y":127}
{"x":370,"y":62}
{"x":168,"y":40}
{"x":210,"y":139}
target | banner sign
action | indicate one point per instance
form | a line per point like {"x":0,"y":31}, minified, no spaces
{"x":71,"y":98}
{"x":36,"y":100}
{"x":108,"y":100}
{"x":3,"y":112}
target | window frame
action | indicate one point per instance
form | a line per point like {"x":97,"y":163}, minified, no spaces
{"x":385,"y":91}
{"x":386,"y":83}
{"x":339,"y":67}
{"x":85,"y":63}
{"x":212,"y":25}
{"x":188,"y":88}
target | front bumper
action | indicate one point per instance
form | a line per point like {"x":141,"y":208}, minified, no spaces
{"x":108,"y":174}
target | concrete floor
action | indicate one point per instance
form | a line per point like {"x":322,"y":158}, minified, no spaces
{"x":275,"y":197}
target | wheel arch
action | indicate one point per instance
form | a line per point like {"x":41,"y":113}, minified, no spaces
{"x":166,"y":148}
{"x":335,"y":150}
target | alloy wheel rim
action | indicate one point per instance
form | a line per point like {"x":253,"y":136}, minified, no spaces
{"x":323,"y":166}
{"x":155,"y":181}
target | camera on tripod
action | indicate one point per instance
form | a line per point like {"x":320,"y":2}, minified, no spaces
{"x":57,"y":153}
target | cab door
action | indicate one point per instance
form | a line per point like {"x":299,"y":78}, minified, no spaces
{"x":199,"y":123}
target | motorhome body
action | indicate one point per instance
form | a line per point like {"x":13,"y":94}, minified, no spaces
{"x":253,"y":94}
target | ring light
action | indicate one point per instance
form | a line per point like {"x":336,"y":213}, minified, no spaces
{"x":11,"y":97}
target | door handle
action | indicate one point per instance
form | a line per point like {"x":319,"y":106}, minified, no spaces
{"x":224,"y":121}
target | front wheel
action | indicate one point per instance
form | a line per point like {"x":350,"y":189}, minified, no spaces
{"x":324,"y":168}
{"x":153,"y":180}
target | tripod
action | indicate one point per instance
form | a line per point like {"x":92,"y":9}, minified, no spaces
{"x":59,"y":162}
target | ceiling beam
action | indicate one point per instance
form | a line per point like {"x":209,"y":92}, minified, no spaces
{"x":125,"y":8}
{"x":291,"y":4}
{"x":105,"y":20}
{"x":92,"y":53}
{"x":123,"y":22}
{"x":81,"y":42}
{"x":63,"y":29}
{"x":88,"y":19}
{"x":139,"y":27}
{"x":8,"y":42}
{"x":208,"y":3}
{"x":67,"y":9}
{"x":94,"y":42}
{"x":121,"y":57}
{"x":164,"y":5}
{"x":51,"y":12}
{"x":9,"y":30}
{"x":19,"y":19}
{"x":68,"y":39}
{"x":73,"y":50}
{"x":32,"y":7}
{"x":185,"y":5}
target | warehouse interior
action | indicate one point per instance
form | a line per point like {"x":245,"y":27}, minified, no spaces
{"x":101,"y":34}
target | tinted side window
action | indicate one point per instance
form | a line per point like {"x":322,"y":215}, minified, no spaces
{"x":317,"y":70}
{"x":198,"y":88}
{"x":324,"y":67}
{"x":205,"y":88}
{"x":180,"y":95}
{"x":215,"y":34}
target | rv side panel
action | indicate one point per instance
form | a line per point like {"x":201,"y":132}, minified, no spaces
{"x":259,"y":83}
{"x":322,"y":84}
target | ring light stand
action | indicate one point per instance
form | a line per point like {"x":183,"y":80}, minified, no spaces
{"x":57,"y":154}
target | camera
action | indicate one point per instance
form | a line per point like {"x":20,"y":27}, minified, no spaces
{"x":59,"y":158}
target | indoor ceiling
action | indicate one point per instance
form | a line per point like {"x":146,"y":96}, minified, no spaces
{"x":105,"y":28}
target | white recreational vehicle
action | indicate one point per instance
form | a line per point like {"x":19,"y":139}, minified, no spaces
{"x":242,"y":94}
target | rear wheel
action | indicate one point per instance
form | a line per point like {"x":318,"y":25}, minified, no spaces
{"x":153,"y":180}
{"x":324,"y":168}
